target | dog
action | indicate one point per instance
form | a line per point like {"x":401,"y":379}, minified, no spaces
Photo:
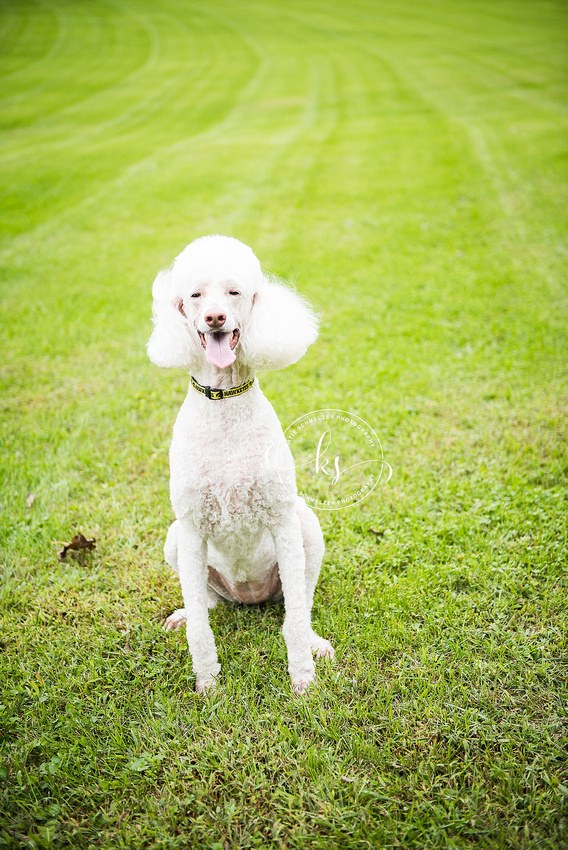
{"x":241,"y":532}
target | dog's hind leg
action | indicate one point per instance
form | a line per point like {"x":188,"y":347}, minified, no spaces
{"x":176,"y":620}
{"x":314,"y":549}
{"x":171,"y":546}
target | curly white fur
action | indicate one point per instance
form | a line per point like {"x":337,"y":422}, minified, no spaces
{"x":241,"y":531}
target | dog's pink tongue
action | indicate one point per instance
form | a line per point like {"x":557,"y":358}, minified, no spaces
{"x":218,"y":350}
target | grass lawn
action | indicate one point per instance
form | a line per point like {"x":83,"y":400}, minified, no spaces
{"x":405,"y":165}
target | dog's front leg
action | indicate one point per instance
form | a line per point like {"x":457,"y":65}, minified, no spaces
{"x":192,"y":564}
{"x":296,"y":628}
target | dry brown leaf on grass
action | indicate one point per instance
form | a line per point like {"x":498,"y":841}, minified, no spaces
{"x":78,"y":544}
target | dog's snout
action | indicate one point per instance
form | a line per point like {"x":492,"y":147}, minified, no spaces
{"x":215,"y":319}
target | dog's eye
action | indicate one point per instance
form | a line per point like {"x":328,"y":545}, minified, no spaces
{"x":196,"y":294}
{"x":234,"y":292}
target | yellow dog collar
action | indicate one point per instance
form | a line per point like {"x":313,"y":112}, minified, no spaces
{"x":214,"y":393}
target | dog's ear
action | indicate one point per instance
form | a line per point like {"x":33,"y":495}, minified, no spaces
{"x":170,"y":342}
{"x":280,"y":327}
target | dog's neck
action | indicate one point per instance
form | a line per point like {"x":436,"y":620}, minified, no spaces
{"x":224,"y":379}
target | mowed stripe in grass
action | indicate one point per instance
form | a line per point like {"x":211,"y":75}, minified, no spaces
{"x":405,"y":166}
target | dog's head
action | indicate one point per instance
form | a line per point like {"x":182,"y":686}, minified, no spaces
{"x":215,"y":304}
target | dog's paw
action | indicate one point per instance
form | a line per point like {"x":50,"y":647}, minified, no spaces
{"x":205,"y":685}
{"x":321,"y":647}
{"x":302,"y":682}
{"x":325,"y":651}
{"x":175,"y":621}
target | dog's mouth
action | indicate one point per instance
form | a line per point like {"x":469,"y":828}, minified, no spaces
{"x":219,"y":346}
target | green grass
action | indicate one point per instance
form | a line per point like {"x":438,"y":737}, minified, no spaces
{"x":405,"y":165}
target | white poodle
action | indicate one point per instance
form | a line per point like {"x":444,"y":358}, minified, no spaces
{"x":242,"y":533}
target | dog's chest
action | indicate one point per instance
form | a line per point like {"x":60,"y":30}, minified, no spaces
{"x":223,"y":479}
{"x":230,"y":505}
